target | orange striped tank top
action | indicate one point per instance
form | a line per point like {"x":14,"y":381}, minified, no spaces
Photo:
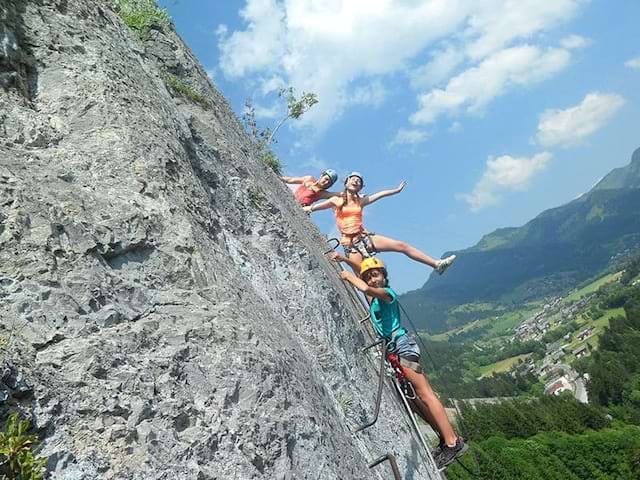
{"x":349,"y":218}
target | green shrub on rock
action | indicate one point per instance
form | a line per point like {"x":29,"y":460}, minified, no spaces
{"x":273,"y":162}
{"x":142,"y":15}
{"x":186,"y":91}
{"x":16,"y":452}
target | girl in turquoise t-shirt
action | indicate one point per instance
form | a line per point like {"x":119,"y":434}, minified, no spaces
{"x":385,"y":315}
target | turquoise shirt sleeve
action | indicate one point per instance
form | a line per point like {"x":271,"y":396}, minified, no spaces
{"x":394,"y":295}
{"x":386,"y":316}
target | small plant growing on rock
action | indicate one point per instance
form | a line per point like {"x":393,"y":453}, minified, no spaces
{"x":16,"y":452}
{"x":256,"y":197}
{"x":260,"y":137}
{"x":273,"y":162}
{"x":345,"y":400}
{"x":185,"y":90}
{"x":263,"y":139}
{"x":142,"y":15}
{"x":295,"y":107}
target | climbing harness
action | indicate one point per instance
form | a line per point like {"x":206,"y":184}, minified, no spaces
{"x":397,"y":361}
{"x":391,"y":346}
{"x":362,"y":245}
{"x":396,"y":366}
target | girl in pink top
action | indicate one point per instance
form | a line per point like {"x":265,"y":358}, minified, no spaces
{"x":356,"y":240}
{"x":310,"y":189}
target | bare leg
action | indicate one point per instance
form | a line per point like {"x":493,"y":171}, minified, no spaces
{"x":357,"y":258}
{"x":433,"y":403}
{"x":384,"y":244}
{"x":421,"y":409}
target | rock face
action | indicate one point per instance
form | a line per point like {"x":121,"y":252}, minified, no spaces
{"x":165,"y":309}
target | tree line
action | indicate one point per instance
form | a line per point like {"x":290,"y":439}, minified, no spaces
{"x":559,"y":438}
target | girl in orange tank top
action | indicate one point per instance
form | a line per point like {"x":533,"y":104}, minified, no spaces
{"x":349,"y":218}
{"x":355,"y":239}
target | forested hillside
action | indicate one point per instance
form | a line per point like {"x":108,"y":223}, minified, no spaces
{"x":559,"y":438}
{"x":553,"y":252}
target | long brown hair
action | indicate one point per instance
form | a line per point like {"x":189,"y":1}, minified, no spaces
{"x":344,"y":198}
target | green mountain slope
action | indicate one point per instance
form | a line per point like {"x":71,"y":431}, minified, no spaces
{"x":553,"y":252}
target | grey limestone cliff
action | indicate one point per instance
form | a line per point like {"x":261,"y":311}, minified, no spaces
{"x":165,"y":308}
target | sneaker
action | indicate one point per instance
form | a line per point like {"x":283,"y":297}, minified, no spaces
{"x":437,"y":450}
{"x":449,"y":454}
{"x":444,"y":263}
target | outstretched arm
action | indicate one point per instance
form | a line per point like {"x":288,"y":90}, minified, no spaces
{"x":384,"y":193}
{"x":296,"y":179}
{"x":319,"y":206}
{"x":325,"y":194}
{"x":361,"y":285}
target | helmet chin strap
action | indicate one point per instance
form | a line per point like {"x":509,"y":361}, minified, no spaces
{"x":353,"y":190}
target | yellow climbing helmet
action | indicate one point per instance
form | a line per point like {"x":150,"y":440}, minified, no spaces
{"x":370,"y":263}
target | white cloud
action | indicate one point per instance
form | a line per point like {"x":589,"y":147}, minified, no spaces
{"x":271,"y":112}
{"x":439,"y":68}
{"x":633,"y":63}
{"x":372,"y":94}
{"x":409,"y":137}
{"x":324,"y":47}
{"x":221,"y":31}
{"x":272,"y":84}
{"x":498,"y":23}
{"x":573,"y":125}
{"x":316,"y":164}
{"x":573,"y":42}
{"x":474,"y":88}
{"x":258,"y":47}
{"x":504,"y":174}
{"x":331,"y":47}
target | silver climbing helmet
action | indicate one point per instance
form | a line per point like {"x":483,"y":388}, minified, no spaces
{"x":354,"y":174}
{"x":332,"y":174}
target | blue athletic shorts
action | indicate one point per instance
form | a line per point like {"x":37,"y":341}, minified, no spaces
{"x":406,"y":346}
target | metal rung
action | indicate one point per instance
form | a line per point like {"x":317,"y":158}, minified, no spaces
{"x":379,"y":395}
{"x":394,"y":465}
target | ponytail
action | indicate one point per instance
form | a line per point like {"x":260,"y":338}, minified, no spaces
{"x":344,"y":198}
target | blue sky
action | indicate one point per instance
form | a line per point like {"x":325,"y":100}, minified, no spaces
{"x":493,"y":110}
